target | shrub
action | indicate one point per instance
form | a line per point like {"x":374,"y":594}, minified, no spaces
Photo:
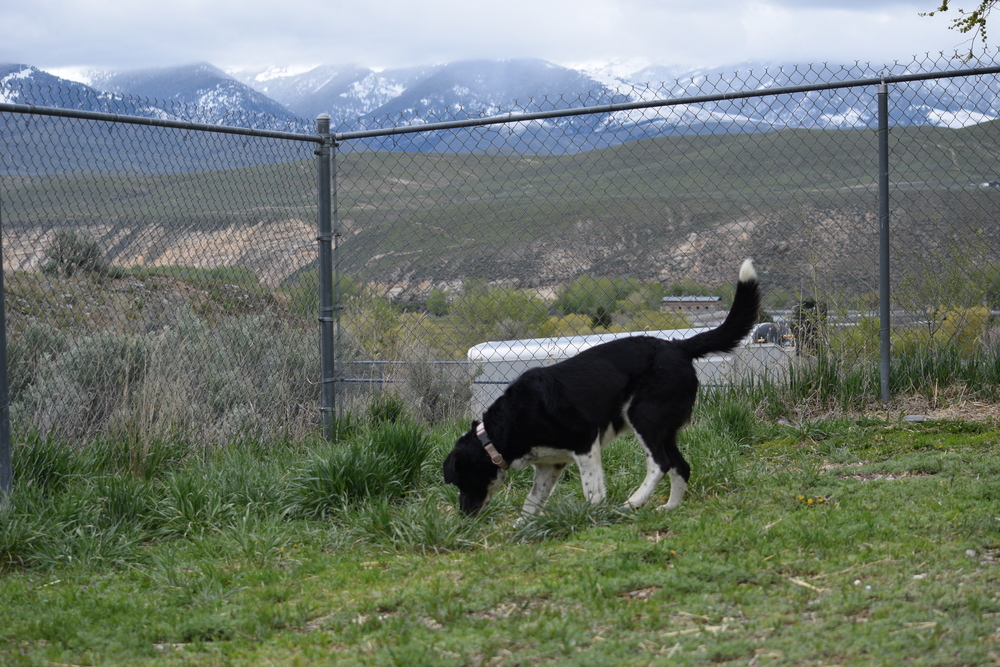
{"x":438,"y":392}
{"x":71,"y":251}
{"x":991,"y":279}
{"x":600,"y":298}
{"x":302,"y":292}
{"x":809,"y":326}
{"x":246,"y":376}
{"x":645,"y":298}
{"x":374,"y":328}
{"x":105,"y":368}
{"x":568,"y":325}
{"x":27,"y":351}
{"x":652,"y":320}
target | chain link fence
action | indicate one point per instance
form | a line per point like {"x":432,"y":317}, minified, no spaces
{"x":554,"y":231}
{"x":163,"y":280}
{"x":159,"y":282}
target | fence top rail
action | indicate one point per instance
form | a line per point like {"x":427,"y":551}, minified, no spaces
{"x":32,"y":109}
{"x":648,"y":104}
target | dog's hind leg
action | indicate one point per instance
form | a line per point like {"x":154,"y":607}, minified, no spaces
{"x":656,"y":423}
{"x":546,"y":476}
{"x":592,"y":474}
{"x":679,"y":473}
{"x":678,"y":485}
{"x":654,"y":473}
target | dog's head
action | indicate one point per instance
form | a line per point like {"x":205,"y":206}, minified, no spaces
{"x":469,"y":467}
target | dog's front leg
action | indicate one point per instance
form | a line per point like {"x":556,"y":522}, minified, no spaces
{"x":546,"y":476}
{"x":592,"y":475}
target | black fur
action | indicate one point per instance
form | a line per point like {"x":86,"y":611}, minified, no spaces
{"x":569,"y":405}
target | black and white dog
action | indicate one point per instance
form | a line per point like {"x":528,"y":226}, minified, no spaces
{"x":554,"y":415}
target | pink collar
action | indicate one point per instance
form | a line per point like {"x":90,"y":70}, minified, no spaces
{"x":494,"y":455}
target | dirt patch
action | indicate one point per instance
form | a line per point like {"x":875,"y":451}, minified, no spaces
{"x":273,"y":251}
{"x":943,"y":408}
{"x":952,"y":404}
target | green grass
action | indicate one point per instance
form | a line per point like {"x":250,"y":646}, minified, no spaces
{"x":844,"y":541}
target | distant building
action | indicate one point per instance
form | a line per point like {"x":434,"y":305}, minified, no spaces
{"x":691,"y":304}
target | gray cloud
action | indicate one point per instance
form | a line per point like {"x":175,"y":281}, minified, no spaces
{"x":118,"y":34}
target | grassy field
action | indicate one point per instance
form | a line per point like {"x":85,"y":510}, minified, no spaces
{"x":841,"y":540}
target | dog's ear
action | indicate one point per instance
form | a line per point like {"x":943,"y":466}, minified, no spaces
{"x":449,"y":469}
{"x":475,"y":423}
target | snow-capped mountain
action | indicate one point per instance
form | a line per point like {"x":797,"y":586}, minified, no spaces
{"x":201,"y":85}
{"x":30,"y":146}
{"x":366,"y":99}
{"x":24,"y":84}
{"x":358,"y":98}
{"x":344,"y":92}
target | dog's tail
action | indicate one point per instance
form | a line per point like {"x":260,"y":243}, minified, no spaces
{"x":738,"y":323}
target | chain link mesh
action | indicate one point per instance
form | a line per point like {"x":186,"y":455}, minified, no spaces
{"x":637,"y":220}
{"x":158,"y":281}
{"x":161,"y":279}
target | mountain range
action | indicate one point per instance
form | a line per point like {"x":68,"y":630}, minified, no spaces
{"x":360,"y":98}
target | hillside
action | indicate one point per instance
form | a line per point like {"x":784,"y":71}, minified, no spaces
{"x":803,"y":202}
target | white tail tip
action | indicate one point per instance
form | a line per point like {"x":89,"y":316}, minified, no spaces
{"x":747,"y":272}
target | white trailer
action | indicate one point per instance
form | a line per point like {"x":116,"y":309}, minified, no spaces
{"x":500,"y":362}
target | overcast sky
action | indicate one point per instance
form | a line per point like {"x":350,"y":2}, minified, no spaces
{"x":127,"y":34}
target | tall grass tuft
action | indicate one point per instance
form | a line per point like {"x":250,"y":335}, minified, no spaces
{"x":564,"y":517}
{"x":386,"y":408}
{"x":43,"y":462}
{"x":125,"y":501}
{"x":143,"y":458}
{"x":424,"y":524}
{"x":384,"y":461}
{"x":18,"y":534}
{"x":191,"y":506}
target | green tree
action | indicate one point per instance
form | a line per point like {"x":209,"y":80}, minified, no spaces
{"x":485,"y":313}
{"x":437,"y":302}
{"x":595,"y":297}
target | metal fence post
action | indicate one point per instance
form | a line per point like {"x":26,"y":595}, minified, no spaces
{"x":338,"y":293}
{"x":325,"y":267}
{"x":885,"y":349}
{"x":6,"y":464}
